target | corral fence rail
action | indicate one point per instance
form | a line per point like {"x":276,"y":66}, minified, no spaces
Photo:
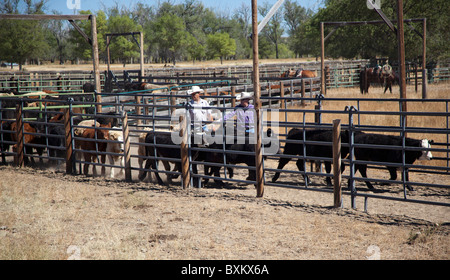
{"x":56,"y":81}
{"x":157,"y":112}
{"x":344,"y":73}
{"x":354,"y":122}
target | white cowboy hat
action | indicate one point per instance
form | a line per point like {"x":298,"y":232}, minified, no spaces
{"x":194,"y":89}
{"x":244,"y":95}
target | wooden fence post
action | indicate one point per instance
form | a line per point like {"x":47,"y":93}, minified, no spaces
{"x":318,"y":113}
{"x":233,"y":93}
{"x":186,"y":176}
{"x":172,"y":102}
{"x":337,"y":163}
{"x":415,"y":77}
{"x":68,"y":138}
{"x":366,"y":88}
{"x":283,"y":101}
{"x":303,"y":102}
{"x":126,"y":146}
{"x":146,"y":111}
{"x":18,"y":159}
{"x":138,"y":108}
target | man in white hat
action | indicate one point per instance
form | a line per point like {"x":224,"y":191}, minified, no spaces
{"x":199,"y":113}
{"x":245,"y":112}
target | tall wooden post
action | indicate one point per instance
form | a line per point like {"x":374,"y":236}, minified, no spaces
{"x":322,"y":59}
{"x":19,"y":136}
{"x":401,"y":55}
{"x":108,"y":53}
{"x":337,"y":163}
{"x":424,"y":60}
{"x":126,"y":146}
{"x":366,"y":88}
{"x":233,"y":100}
{"x":68,"y":138}
{"x":95,"y":59}
{"x":257,"y":94}
{"x":141,"y":35}
{"x":303,"y":93}
{"x":185,"y":174}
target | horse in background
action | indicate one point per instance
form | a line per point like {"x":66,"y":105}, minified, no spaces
{"x":300,"y":73}
{"x":379,"y":75}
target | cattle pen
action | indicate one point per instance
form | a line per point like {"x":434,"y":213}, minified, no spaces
{"x":337,"y":74}
{"x":287,"y":104}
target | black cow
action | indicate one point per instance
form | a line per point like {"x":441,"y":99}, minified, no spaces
{"x":234,"y":155}
{"x":389,"y":155}
{"x":88,"y":87}
{"x":312,"y":150}
{"x":53,"y":129}
{"x":168,"y":149}
{"x":56,"y":141}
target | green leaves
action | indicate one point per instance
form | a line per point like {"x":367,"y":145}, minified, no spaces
{"x":170,"y":35}
{"x":21,"y":39}
{"x":220,"y":45}
{"x":123,"y":48}
{"x":190,"y":31}
{"x":377,"y":40}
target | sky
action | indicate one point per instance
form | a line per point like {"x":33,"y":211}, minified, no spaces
{"x":227,"y":6}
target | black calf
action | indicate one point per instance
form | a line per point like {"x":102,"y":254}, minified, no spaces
{"x":168,"y":149}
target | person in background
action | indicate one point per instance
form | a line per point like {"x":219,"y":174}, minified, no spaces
{"x":199,"y":113}
{"x":244,"y":112}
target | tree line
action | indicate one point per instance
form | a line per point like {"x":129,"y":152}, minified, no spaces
{"x":191,"y":32}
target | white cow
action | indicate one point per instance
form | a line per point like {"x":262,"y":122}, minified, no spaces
{"x":116,"y":148}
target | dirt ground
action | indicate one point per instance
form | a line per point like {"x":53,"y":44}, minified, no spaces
{"x":47,"y":214}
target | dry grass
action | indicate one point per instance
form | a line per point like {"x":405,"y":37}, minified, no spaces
{"x":434,"y":91}
{"x":48,"y":215}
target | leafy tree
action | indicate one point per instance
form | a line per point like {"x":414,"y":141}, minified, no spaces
{"x":295,"y":17}
{"x":266,"y":48}
{"x":378,"y":40}
{"x":220,"y":45}
{"x":57,"y":33}
{"x":306,"y":40}
{"x":123,"y":47}
{"x":82,"y":49}
{"x":22,"y":40}
{"x":170,"y":35}
{"x":242,"y":29}
{"x":194,"y":48}
{"x":273,"y":30}
{"x":142,"y":14}
{"x":189,"y":30}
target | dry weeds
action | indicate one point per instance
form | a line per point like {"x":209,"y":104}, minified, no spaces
{"x":50,"y":215}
